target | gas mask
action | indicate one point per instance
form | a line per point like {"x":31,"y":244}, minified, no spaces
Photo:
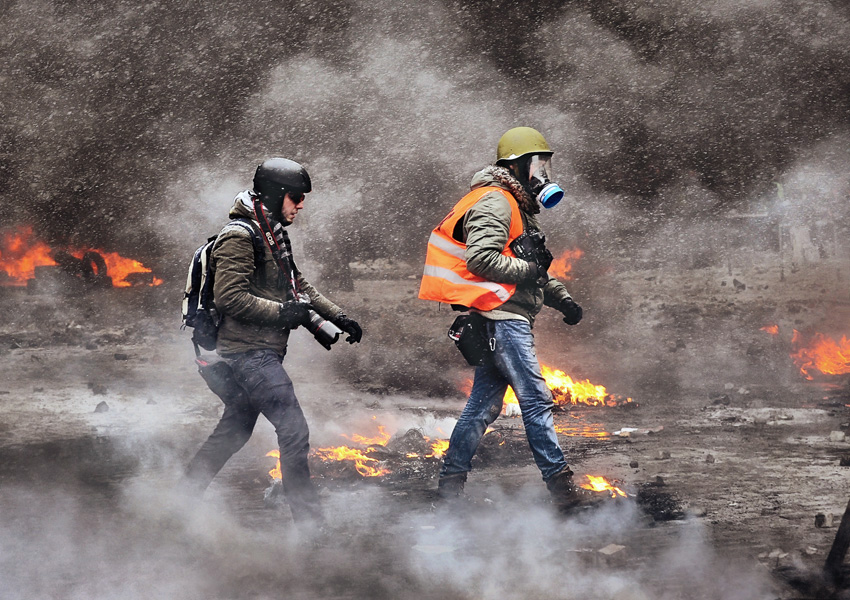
{"x":540,"y":183}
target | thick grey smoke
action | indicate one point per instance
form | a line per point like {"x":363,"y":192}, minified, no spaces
{"x":118,"y":114}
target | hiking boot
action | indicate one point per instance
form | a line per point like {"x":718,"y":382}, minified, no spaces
{"x":567,"y":496}
{"x":450,"y":487}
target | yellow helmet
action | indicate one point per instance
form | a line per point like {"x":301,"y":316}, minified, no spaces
{"x":521,"y":141}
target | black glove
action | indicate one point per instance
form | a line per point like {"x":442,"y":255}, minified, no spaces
{"x":349,"y":326}
{"x":538,"y":274}
{"x":572,"y":311}
{"x":544,"y":259}
{"x":291,"y":314}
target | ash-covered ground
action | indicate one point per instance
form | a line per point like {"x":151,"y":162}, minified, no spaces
{"x":733,"y":455}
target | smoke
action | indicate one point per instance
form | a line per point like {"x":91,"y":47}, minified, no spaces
{"x":149,"y":542}
{"x":121,"y":118}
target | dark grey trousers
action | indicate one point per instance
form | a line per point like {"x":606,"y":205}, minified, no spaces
{"x":259,"y":385}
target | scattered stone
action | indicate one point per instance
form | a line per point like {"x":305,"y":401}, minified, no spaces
{"x":101,"y":407}
{"x":709,"y":458}
{"x":663,"y":454}
{"x":784,"y":417}
{"x":739,"y":285}
{"x":719,"y":399}
{"x":121,"y":356}
{"x":659,"y":481}
{"x":613,"y":554}
{"x":743,"y":391}
{"x":38,"y":389}
{"x":91,"y":346}
{"x":824,"y":520}
{"x":633,"y":464}
{"x":811,"y":551}
{"x":777,"y":554}
{"x":729,"y":386}
{"x":843,"y":462}
{"x":837,"y":436}
{"x":98,"y":389}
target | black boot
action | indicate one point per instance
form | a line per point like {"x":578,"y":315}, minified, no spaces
{"x":450,"y":487}
{"x":567,"y":496}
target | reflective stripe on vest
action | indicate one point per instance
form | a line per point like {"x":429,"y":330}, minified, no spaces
{"x":446,"y":277}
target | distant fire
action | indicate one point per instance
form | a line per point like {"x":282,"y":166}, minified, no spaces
{"x":364,"y":464}
{"x":563,"y":265}
{"x":600,"y":484}
{"x":820,"y":353}
{"x":566,"y":390}
{"x":21,"y":252}
{"x":771,"y":329}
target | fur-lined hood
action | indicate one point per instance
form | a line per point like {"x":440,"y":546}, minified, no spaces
{"x":501,"y":177}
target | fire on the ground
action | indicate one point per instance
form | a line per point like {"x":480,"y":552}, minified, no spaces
{"x":817,"y":353}
{"x":21,"y":252}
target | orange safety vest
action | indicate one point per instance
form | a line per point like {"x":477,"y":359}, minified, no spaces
{"x":446,"y":278}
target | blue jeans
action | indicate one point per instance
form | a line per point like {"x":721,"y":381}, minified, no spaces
{"x":514,"y":362}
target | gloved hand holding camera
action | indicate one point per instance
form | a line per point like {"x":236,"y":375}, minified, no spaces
{"x":349,"y":326}
{"x":572,"y":312}
{"x":291,"y":314}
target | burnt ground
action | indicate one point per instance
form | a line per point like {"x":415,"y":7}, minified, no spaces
{"x":730,"y":464}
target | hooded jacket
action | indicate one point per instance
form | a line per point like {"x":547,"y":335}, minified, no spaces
{"x":248,"y":299}
{"x":485,"y":227}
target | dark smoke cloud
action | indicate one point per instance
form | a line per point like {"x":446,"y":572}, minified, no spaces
{"x":117,"y":114}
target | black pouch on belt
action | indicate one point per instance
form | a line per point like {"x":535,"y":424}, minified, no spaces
{"x":469,"y":333}
{"x":220,"y":379}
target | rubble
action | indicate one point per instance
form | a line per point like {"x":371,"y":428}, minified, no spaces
{"x":837,"y":436}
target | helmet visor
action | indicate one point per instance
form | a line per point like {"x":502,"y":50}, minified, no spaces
{"x":540,"y":168}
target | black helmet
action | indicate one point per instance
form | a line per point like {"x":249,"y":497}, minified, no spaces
{"x":277,"y":176}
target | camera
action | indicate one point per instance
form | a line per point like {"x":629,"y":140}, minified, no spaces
{"x":325,"y":332}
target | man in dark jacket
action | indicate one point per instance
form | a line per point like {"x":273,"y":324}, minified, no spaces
{"x":261,"y":296}
{"x":483,"y":257}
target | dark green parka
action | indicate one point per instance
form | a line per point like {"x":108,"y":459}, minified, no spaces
{"x":486,"y":226}
{"x":250,"y":303}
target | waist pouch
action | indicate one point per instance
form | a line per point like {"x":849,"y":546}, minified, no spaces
{"x":469,"y":333}
{"x":218,"y":375}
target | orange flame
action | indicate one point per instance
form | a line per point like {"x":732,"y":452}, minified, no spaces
{"x":360,"y":459}
{"x":341,"y":453}
{"x":380,"y":440}
{"x":438,"y":448}
{"x":821,"y":353}
{"x":21,"y":253}
{"x":565,"y":390}
{"x":118,"y":267}
{"x":600,"y":484}
{"x":771,"y":329}
{"x":275,"y":473}
{"x":562,"y":265}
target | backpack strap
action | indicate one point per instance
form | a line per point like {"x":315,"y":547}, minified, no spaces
{"x":256,"y":241}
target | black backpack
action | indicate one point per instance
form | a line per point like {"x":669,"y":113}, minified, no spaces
{"x":198,"y":305}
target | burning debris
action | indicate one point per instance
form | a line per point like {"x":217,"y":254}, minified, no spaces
{"x":820,"y":353}
{"x":28,"y":261}
{"x":817,"y":354}
{"x":566,"y":392}
{"x":381,"y":455}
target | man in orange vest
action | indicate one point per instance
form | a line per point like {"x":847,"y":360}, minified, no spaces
{"x":488,"y":256}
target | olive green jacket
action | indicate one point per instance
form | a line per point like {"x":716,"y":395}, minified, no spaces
{"x":248,"y":300}
{"x":486,"y":226}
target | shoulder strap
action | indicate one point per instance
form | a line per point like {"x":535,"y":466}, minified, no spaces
{"x":282,"y":259}
{"x":259,"y":248}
